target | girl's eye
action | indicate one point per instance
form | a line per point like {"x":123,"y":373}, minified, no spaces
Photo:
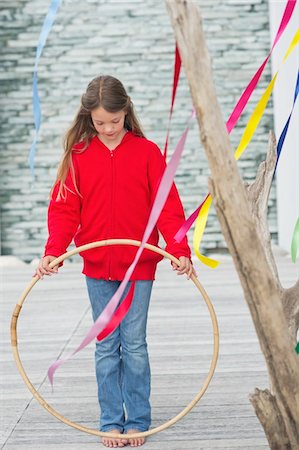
{"x":115,"y":121}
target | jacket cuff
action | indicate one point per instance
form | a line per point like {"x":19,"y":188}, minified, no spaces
{"x":53,"y":252}
{"x":177,"y":252}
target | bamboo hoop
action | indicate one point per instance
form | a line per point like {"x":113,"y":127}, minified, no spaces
{"x":44,"y":404}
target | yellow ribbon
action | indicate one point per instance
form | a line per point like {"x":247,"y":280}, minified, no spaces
{"x":245,"y":140}
{"x":199,"y":230}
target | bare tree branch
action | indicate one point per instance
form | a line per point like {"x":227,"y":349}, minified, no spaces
{"x":258,"y":195}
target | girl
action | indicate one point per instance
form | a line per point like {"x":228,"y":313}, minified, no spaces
{"x":105,"y":187}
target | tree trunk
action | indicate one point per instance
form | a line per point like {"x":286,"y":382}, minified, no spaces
{"x":260,"y":283}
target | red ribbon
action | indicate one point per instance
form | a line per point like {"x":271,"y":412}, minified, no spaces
{"x":176,"y":76}
{"x":119,"y":314}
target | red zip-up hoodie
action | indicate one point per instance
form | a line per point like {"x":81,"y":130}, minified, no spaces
{"x":117,"y":192}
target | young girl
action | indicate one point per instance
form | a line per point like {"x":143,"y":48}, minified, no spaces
{"x":105,"y":187}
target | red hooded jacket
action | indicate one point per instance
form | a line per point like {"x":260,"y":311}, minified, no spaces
{"x":117,"y":191}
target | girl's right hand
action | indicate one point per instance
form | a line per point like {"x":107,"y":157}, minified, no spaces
{"x":43,"y":267}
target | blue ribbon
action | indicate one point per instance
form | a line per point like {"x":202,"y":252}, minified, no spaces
{"x":285,"y":128}
{"x":47,"y":25}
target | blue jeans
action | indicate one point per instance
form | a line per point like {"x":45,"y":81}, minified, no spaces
{"x":121,"y":359}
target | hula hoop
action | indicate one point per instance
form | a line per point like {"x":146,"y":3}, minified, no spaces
{"x":44,"y":404}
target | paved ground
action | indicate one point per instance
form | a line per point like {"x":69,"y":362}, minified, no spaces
{"x":56,"y":316}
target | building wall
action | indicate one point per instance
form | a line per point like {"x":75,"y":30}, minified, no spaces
{"x":132,"y":40}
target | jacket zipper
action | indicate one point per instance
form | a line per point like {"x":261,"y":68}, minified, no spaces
{"x":111,"y":210}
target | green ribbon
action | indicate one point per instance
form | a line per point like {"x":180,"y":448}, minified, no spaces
{"x":295,"y":242}
{"x":297,"y":348}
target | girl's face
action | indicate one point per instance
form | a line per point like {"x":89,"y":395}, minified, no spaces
{"x":109,"y":125}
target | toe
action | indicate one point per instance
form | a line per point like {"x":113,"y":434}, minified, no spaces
{"x":135,"y":442}
{"x":112,"y":443}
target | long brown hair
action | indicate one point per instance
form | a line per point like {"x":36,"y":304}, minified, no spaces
{"x":104,"y":91}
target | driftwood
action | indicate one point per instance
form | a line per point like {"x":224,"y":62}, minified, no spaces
{"x":242,"y":214}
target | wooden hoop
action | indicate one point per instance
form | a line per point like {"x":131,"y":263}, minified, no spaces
{"x":59,"y":416}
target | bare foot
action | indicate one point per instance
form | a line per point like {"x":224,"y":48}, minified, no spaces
{"x":135,"y":442}
{"x":113,"y":443}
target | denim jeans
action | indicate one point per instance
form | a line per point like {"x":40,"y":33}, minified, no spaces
{"x":121,"y":359}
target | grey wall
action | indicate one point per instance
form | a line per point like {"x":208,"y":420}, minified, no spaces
{"x":133,"y":41}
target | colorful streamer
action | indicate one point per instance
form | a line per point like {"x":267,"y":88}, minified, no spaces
{"x":295,"y":242}
{"x":235,"y":115}
{"x":161,"y":197}
{"x":244,"y":142}
{"x":48,"y":23}
{"x":261,"y":106}
{"x":297,"y":348}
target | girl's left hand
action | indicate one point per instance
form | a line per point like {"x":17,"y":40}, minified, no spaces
{"x":185,"y":267}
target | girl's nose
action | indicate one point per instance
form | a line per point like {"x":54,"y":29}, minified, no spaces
{"x":108,"y":129}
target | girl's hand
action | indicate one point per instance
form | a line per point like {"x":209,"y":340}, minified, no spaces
{"x":185,"y":267}
{"x":43,"y":267}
